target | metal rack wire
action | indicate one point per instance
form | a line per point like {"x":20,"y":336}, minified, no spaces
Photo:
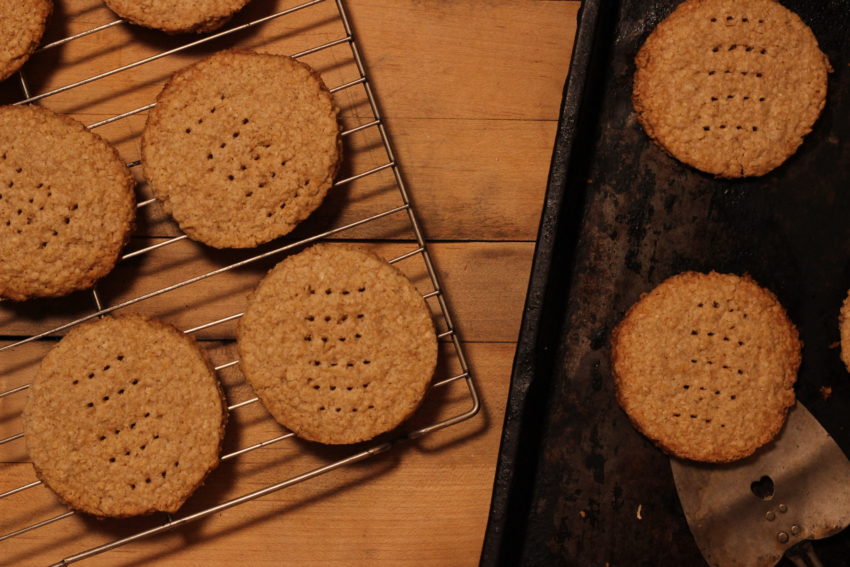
{"x":435,"y":296}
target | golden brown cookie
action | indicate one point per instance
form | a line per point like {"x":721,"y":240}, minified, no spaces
{"x":705,"y":365}
{"x":338,"y":344}
{"x":125,"y":417}
{"x":177,"y":16}
{"x":22,"y":24}
{"x":844,"y":329}
{"x":66,"y":204}
{"x":241,"y":147}
{"x":730,"y":87}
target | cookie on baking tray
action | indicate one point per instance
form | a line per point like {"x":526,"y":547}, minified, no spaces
{"x":729,"y":87}
{"x":338,"y":344}
{"x":241,"y":147}
{"x":177,"y":16}
{"x":66,"y":204}
{"x":844,"y":329}
{"x":22,"y":25}
{"x":125,"y":417}
{"x":705,"y":365}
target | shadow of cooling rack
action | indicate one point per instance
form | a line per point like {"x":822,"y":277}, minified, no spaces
{"x":374,"y":207}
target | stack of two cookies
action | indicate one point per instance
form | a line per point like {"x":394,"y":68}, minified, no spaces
{"x":705,"y":364}
{"x":126,"y":415}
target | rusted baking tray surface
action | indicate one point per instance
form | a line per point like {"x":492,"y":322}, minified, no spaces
{"x":576,"y":484}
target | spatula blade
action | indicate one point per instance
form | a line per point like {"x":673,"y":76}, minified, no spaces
{"x":748,"y":513}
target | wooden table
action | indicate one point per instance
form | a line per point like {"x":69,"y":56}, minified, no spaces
{"x":470,"y":91}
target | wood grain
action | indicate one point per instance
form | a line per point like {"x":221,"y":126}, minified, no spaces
{"x":470,"y":92}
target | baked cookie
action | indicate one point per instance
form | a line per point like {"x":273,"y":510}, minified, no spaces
{"x":125,"y":417}
{"x":338,"y":344}
{"x":22,"y":24}
{"x":730,"y":87}
{"x":174,"y":16}
{"x":705,"y":364}
{"x":844,"y":329}
{"x":66,"y":204}
{"x":241,"y":147}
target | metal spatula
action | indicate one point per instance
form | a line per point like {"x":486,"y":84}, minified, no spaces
{"x":752,"y":512}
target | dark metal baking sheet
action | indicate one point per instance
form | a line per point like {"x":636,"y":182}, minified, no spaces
{"x":576,"y":484}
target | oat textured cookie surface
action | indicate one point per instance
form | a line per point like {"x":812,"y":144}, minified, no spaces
{"x":66,"y":204}
{"x":241,"y":147}
{"x":338,"y":344}
{"x":844,"y":329}
{"x":177,"y":16}
{"x":125,"y":417}
{"x":705,"y":364}
{"x":22,"y":24}
{"x":730,"y":87}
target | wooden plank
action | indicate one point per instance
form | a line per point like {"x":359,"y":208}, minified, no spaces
{"x":484,"y":312}
{"x":474,"y":137}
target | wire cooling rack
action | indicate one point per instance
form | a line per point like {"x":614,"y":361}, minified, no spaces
{"x":370,"y":204}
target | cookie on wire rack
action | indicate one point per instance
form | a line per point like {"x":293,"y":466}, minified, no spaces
{"x":241,"y":147}
{"x":22,"y":25}
{"x":66,"y":204}
{"x":705,"y":365}
{"x":174,"y":16}
{"x":730,"y":87}
{"x":338,"y":344}
{"x":125,"y":417}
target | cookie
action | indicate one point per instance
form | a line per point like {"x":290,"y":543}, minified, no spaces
{"x":241,"y":147}
{"x":125,"y":417}
{"x":705,"y":364}
{"x":729,"y":87}
{"x":66,"y":204}
{"x":844,"y":329}
{"x":177,"y":17}
{"x":22,"y":25}
{"x":337,"y":344}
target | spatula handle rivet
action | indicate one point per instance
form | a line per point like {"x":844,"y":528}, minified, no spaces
{"x":783,"y":508}
{"x":795,"y":529}
{"x":782,"y":537}
{"x":770,"y":516}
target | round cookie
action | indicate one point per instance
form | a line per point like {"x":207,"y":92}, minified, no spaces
{"x":338,"y":344}
{"x":729,"y":87}
{"x":125,"y":417}
{"x":241,"y":147}
{"x":177,"y":17}
{"x":705,"y":364}
{"x":66,"y":204}
{"x":22,"y":24}
{"x":844,"y":329}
